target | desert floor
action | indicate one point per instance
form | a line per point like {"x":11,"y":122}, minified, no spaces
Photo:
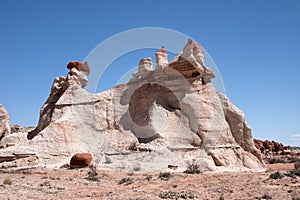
{"x":41,"y":183}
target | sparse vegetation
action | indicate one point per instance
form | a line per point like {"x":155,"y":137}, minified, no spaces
{"x":46,"y":183}
{"x":275,"y":160}
{"x":126,"y":181}
{"x":291,"y":174}
{"x":149,"y":178}
{"x":177,"y":195}
{"x":92,"y":173}
{"x":221,"y":197}
{"x":276,"y":175}
{"x":193,"y":167}
{"x":295,"y":172}
{"x":293,"y":159}
{"x":164,"y":175}
{"x":7,"y":181}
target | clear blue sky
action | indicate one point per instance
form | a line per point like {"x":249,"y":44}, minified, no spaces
{"x":255,"y":44}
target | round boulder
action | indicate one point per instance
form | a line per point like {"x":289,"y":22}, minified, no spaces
{"x":80,"y":160}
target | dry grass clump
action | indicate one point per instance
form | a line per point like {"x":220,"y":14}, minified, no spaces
{"x":164,"y":175}
{"x":7,"y":181}
{"x":193,"y":167}
{"x":126,"y":181}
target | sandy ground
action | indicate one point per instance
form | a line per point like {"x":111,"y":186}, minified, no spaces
{"x":72,"y":184}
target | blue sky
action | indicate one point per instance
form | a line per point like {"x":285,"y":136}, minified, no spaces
{"x":255,"y":44}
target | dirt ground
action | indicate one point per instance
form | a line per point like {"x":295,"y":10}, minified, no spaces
{"x":44,"y":183}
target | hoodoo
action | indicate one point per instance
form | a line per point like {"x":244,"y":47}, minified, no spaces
{"x":164,"y":116}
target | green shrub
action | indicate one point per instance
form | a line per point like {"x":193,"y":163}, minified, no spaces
{"x":293,"y":159}
{"x":276,"y":160}
{"x":276,"y":175}
{"x":177,"y":195}
{"x":164,"y":175}
{"x":291,"y":174}
{"x":126,"y":181}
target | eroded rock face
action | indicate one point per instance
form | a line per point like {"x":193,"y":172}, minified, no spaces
{"x":162,"y":117}
{"x":76,"y":78}
{"x":4,"y":122}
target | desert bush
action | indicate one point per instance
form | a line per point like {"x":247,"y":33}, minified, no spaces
{"x":126,"y":181}
{"x":193,"y":167}
{"x":149,"y":178}
{"x":221,"y":197}
{"x":164,"y":175}
{"x":293,"y":159}
{"x":7,"y":181}
{"x":275,"y":160}
{"x":295,"y":172}
{"x":177,"y":195}
{"x":276,"y":175}
{"x":92,"y":173}
{"x":291,"y":174}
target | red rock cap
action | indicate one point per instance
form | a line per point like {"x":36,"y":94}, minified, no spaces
{"x":72,"y":64}
{"x":81,"y":66}
{"x":162,"y":50}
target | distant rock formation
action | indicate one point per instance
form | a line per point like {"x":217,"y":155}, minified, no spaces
{"x":163,"y":117}
{"x":4,"y":122}
{"x":271,"y":147}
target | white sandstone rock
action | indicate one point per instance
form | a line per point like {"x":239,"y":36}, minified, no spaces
{"x":168,"y":116}
{"x":4,"y":122}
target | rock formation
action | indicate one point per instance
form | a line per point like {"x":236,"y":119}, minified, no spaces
{"x":163,"y":117}
{"x":77,"y":77}
{"x":4,"y":122}
{"x":271,"y":147}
